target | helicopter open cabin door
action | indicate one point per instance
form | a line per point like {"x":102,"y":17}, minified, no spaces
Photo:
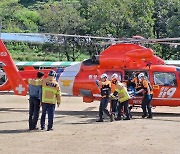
{"x":165,"y":88}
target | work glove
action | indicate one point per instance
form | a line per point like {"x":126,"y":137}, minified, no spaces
{"x":112,"y":96}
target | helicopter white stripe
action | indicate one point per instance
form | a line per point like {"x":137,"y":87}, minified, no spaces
{"x":67,"y":78}
{"x":38,"y":63}
{"x":178,"y":99}
{"x":21,"y":63}
{"x":56,"y":63}
{"x":96,"y":95}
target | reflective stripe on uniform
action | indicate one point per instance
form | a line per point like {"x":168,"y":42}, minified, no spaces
{"x":36,"y":82}
{"x":50,"y":89}
{"x":49,"y":100}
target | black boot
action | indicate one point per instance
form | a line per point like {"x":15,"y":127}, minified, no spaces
{"x":118,"y":118}
{"x":149,"y":117}
{"x":127,"y":118}
{"x":100,"y":120}
{"x":144,"y":115}
{"x":111,"y":118}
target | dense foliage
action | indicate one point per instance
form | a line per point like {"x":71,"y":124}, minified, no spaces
{"x":117,"y":18}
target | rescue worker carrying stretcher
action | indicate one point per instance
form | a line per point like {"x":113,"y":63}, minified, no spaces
{"x":121,"y":92}
{"x":113,"y":100}
{"x":105,"y":87}
{"x":148,"y":94}
{"x":137,"y":83}
{"x":51,"y":95}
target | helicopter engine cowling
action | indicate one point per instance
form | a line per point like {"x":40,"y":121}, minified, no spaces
{"x":128,"y":56}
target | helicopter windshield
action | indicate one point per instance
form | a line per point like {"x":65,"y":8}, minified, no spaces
{"x":93,"y":61}
{"x":165,"y":79}
{"x":3,"y":77}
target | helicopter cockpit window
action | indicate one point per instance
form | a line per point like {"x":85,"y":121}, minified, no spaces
{"x":93,"y":61}
{"x":165,"y":79}
{"x":3,"y":78}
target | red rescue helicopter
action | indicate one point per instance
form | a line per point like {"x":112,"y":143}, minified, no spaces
{"x":124,"y":57}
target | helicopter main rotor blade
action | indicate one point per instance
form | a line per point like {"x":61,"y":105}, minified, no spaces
{"x":164,"y":39}
{"x":50,"y":37}
{"x":64,"y":35}
{"x":170,"y":43}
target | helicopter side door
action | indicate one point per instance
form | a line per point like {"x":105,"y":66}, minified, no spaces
{"x":165,"y":89}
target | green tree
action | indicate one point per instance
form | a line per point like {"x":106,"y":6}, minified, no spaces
{"x":27,"y":20}
{"x":119,"y":18}
{"x":142,"y":16}
{"x":61,"y":17}
{"x":167,"y":24}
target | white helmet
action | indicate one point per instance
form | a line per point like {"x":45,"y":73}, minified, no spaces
{"x":104,"y":75}
{"x":141,"y":75}
{"x":114,"y":76}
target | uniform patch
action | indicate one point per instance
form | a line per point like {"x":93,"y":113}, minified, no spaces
{"x":51,"y":84}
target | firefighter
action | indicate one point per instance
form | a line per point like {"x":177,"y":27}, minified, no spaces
{"x":121,"y":92}
{"x":105,"y":87}
{"x":148,"y":94}
{"x":114,"y":100}
{"x":137,"y":82}
{"x":51,"y":95}
{"x":35,"y":94}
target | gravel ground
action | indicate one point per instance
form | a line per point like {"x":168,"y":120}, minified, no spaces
{"x":75,"y":130}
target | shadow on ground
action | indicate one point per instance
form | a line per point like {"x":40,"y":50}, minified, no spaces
{"x":14,"y":131}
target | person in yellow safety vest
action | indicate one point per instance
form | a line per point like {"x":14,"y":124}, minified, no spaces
{"x":121,"y":92}
{"x":35,"y":98}
{"x":51,"y":95}
{"x":148,"y":94}
{"x":105,"y":87}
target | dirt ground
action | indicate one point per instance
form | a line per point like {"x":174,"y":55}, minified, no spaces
{"x":75,"y":130}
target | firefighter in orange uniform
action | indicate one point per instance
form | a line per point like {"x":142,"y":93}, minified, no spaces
{"x":137,"y":83}
{"x":148,"y":94}
{"x":51,"y":95}
{"x":114,"y":101}
{"x":105,"y":93}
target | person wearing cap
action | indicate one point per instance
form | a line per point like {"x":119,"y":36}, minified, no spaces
{"x":105,"y":88}
{"x":122,"y":93}
{"x":35,"y":94}
{"x":148,"y":94}
{"x":51,"y":95}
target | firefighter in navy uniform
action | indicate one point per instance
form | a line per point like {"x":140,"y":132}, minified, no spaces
{"x":121,"y":92}
{"x":35,"y":95}
{"x":51,"y":95}
{"x":105,"y":93}
{"x":148,"y":94}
